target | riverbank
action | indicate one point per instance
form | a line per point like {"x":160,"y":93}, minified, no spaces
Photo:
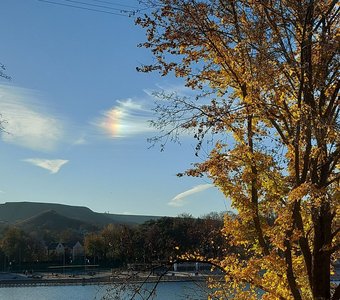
{"x":164,"y":290}
{"x":50,"y":279}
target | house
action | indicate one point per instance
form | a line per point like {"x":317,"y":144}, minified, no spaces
{"x":71,"y":252}
{"x":56,"y":249}
{"x":77,"y":251}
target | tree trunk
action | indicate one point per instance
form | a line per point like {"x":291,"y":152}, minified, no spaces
{"x":322,"y":255}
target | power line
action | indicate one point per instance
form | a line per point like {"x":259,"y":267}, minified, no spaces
{"x":100,"y":6}
{"x":116,"y":4}
{"x":89,"y":9}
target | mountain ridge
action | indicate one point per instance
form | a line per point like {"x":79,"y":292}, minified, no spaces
{"x":16,"y":212}
{"x":50,"y":220}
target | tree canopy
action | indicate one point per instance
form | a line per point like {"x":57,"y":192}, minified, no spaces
{"x":267,"y":80}
{"x":3,"y":73}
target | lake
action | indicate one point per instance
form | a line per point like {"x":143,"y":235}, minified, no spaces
{"x":165,"y":290}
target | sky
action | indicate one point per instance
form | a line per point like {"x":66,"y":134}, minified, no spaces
{"x":77,"y":114}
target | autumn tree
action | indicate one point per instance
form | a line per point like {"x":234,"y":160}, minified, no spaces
{"x":3,"y":73}
{"x":117,"y":243}
{"x":18,"y":246}
{"x":94,"y":246}
{"x":14,"y":244}
{"x":266,"y":74}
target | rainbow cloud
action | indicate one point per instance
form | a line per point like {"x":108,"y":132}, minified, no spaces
{"x":127,"y":118}
{"x":111,"y":122}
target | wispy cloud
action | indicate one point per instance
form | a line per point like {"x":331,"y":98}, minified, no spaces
{"x":127,"y":118}
{"x":167,"y":88}
{"x":179,"y":199}
{"x":80,"y":140}
{"x":27,"y":122}
{"x":53,"y":165}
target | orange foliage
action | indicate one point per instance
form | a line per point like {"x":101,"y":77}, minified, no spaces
{"x":267,"y":76}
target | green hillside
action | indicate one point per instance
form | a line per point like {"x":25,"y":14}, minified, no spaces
{"x":14,"y":212}
{"x":52,"y":221}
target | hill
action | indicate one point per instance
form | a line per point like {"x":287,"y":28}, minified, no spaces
{"x":16,"y":212}
{"x":130,"y":219}
{"x":52,"y":221}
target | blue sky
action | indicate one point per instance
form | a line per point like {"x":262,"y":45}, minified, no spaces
{"x":77,"y":115}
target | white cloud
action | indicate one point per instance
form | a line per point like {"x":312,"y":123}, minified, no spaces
{"x":53,"y":165}
{"x":80,"y":141}
{"x":129,"y":104}
{"x":179,"y":199}
{"x":178,"y":89}
{"x":27,"y":123}
{"x":127,"y":118}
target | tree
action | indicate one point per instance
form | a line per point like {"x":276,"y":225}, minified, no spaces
{"x":19,"y":246}
{"x":267,"y":80}
{"x":117,"y":242}
{"x":3,"y":73}
{"x":94,"y":246}
{"x":14,"y":244}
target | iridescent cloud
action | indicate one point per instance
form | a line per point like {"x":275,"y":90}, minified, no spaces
{"x":26,"y":120}
{"x":127,"y":118}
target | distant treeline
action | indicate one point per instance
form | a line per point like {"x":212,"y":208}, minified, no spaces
{"x":117,"y":245}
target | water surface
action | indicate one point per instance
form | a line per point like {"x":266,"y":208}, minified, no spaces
{"x":167,"y":290}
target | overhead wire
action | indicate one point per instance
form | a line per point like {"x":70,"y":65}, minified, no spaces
{"x":115,"y":3}
{"x":93,"y":7}
{"x":97,"y":5}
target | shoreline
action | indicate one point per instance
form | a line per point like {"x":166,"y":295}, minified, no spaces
{"x":100,"y":280}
